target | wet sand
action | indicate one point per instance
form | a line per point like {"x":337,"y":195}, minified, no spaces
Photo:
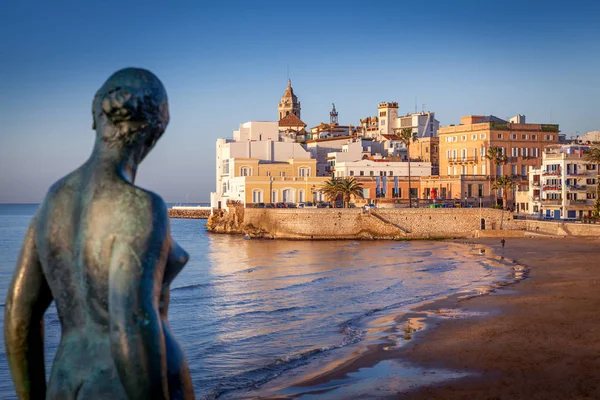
{"x":537,"y":339}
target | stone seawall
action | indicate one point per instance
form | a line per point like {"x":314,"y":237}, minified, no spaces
{"x":190,"y":212}
{"x":420,"y":223}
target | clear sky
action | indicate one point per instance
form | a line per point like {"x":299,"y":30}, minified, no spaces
{"x":225,"y":62}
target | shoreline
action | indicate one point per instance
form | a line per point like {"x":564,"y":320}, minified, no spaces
{"x":510,"y":342}
{"x":401,"y":328}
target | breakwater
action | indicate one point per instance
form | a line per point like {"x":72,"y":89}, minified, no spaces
{"x":189,"y":212}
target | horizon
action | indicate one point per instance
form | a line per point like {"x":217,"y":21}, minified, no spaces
{"x":223,"y":65}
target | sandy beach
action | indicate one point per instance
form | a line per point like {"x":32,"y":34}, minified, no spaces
{"x":536,"y":339}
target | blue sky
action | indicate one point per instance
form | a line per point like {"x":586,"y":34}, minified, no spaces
{"x":224,"y":63}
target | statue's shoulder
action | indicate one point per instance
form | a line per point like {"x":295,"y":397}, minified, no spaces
{"x":148,"y":202}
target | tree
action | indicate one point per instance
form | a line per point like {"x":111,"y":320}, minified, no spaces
{"x":346,"y":187}
{"x":496,"y":157}
{"x":505,"y":183}
{"x":349,"y":187}
{"x":407,"y":136}
{"x":593,"y":155}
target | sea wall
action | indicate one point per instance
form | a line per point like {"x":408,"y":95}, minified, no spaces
{"x":189,"y":212}
{"x":419,"y":223}
{"x":398,"y":223}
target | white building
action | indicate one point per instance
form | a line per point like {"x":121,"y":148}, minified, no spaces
{"x":565,"y":185}
{"x":381,"y":168}
{"x":255,"y":146}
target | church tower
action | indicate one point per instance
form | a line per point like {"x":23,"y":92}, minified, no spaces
{"x":289,"y":103}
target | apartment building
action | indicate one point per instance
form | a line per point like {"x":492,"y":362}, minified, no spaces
{"x":564,"y":187}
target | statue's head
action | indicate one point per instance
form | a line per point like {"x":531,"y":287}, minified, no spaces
{"x":131,"y":110}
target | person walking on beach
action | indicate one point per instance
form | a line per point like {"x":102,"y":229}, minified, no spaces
{"x":503,"y":241}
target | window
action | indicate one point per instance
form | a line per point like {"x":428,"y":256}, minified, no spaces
{"x":225,"y":167}
{"x":362,"y":173}
{"x":454,"y":154}
{"x":463,"y":170}
{"x":475,"y":169}
{"x":484,"y":169}
{"x":533,"y":137}
{"x":382,"y":113}
{"x":449,"y":170}
{"x":480,"y":190}
{"x":448,"y":154}
{"x":381,"y":173}
{"x":482,"y":152}
{"x":482,"y":136}
{"x":426,"y":149}
{"x":513,"y":136}
{"x":535,"y":152}
{"x":282,"y":173}
{"x":525,"y":151}
{"x":473,"y":137}
{"x":382,"y":122}
{"x":463,"y":138}
{"x":257,"y":196}
{"x":224,"y":187}
{"x":499,"y":136}
{"x":304,"y":171}
{"x":371,"y":173}
{"x":246,"y":171}
{"x":514,"y":170}
{"x":515,"y":152}
{"x":268,"y":173}
{"x":454,"y":138}
{"x":391,"y":173}
{"x":469,"y":190}
{"x":524,"y":137}
{"x":523,"y":170}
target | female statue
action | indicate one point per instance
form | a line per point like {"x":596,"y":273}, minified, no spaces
{"x":101,"y":248}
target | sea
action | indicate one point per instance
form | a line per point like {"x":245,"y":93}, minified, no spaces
{"x":249,"y":311}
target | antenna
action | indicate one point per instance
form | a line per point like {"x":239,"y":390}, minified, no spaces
{"x":423,"y":108}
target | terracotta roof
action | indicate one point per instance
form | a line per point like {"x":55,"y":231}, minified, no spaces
{"x":291,"y":120}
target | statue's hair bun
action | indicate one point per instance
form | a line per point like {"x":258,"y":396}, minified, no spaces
{"x":132,"y":99}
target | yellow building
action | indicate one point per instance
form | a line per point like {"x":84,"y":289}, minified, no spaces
{"x":463,"y":147}
{"x":257,"y":181}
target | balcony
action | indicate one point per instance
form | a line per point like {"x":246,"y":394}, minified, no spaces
{"x":576,"y":173}
{"x":535,"y":183}
{"x":552,"y":202}
{"x":552,"y":188}
{"x":579,"y":202}
{"x":552,"y":173}
{"x":577,"y":187}
{"x":462,"y":160}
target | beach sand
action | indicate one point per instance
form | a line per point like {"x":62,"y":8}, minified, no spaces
{"x":537,"y":339}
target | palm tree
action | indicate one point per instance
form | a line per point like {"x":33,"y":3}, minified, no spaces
{"x":496,"y":157}
{"x":346,"y":187}
{"x":330,"y":189}
{"x":349,"y":187}
{"x":505,"y":183}
{"x":593,"y":156}
{"x":407,"y":136}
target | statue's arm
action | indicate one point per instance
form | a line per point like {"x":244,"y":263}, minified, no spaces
{"x":136,"y":334}
{"x":176,"y":260}
{"x":28,"y":298}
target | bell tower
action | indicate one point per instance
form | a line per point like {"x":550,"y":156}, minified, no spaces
{"x":289,"y":103}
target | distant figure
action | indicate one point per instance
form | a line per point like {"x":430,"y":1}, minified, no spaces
{"x":503,"y":241}
{"x":101,"y":248}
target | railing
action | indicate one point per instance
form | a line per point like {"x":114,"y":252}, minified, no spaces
{"x":535,"y":183}
{"x":552,"y":202}
{"x":552,"y":173}
{"x":552,"y":187}
{"x":576,"y":187}
{"x":578,"y":202}
{"x":459,"y":160}
{"x":575,"y":173}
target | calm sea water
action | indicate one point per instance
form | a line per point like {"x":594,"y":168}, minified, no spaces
{"x":247,"y":311}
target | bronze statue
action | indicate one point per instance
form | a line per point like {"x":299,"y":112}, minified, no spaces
{"x":101,"y":248}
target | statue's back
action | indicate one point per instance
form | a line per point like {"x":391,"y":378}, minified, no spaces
{"x":76,"y":230}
